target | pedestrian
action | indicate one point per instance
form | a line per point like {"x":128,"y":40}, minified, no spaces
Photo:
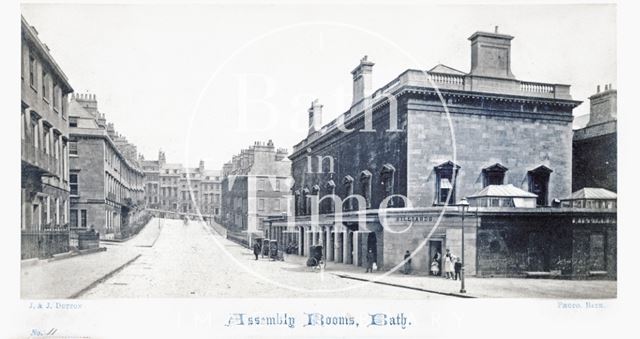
{"x":457,"y":267}
{"x":256,"y":249}
{"x":435,"y":267}
{"x":370,"y":260}
{"x":407,"y":263}
{"x":448,"y":265}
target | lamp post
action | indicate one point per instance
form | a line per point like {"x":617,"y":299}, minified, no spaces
{"x":463,"y":206}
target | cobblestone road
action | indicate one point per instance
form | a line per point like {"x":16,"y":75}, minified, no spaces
{"x":193,"y":261}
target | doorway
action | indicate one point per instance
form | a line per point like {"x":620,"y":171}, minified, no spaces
{"x":372,"y":244}
{"x":435,"y":253}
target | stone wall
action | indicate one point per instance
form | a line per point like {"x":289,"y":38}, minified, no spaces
{"x":595,"y":162}
{"x":482,"y":138}
{"x":511,"y":246}
{"x":353,"y":153}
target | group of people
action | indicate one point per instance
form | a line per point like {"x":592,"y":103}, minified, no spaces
{"x":452,"y":265}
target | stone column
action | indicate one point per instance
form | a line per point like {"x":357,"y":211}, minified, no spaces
{"x":338,"y":246}
{"x":329,"y":244}
{"x":347,"y":247}
{"x":300,"y":240}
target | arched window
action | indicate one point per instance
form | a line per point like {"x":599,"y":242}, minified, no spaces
{"x":365,"y":186}
{"x":328,"y":204}
{"x":387,"y":181}
{"x":306,"y":202}
{"x":348,"y":189}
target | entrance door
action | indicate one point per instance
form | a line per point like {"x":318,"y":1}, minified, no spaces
{"x":536,"y":253}
{"x":372,"y":242}
{"x":435,"y":247}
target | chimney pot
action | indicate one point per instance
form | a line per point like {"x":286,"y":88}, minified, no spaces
{"x":362,"y":80}
{"x":315,"y":116}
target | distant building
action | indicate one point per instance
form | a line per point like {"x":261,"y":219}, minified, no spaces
{"x":151,"y":169}
{"x":106,"y":182}
{"x":177,"y":190}
{"x":595,"y":152}
{"x":255,"y":186}
{"x":44,"y":137}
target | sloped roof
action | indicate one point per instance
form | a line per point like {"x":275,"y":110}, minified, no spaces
{"x":580,"y":121}
{"x":443,"y":69}
{"x":503,"y":191}
{"x":593,"y":193}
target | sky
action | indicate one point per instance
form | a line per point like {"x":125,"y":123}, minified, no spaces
{"x":205,"y":81}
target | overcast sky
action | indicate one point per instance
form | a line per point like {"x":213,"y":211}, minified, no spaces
{"x":178,"y":78}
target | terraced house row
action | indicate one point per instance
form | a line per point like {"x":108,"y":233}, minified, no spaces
{"x":44,"y":139}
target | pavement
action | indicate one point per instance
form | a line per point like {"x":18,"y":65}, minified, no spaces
{"x":194,"y":261}
{"x":71,"y":277}
{"x":169,"y":259}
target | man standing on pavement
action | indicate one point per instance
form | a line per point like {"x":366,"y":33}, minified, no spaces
{"x":407,"y":263}
{"x":370,"y":260}
{"x":256,"y":249}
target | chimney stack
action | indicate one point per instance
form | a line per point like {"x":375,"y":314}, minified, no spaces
{"x":603,"y":106}
{"x":362,"y":80}
{"x":315,"y":116}
{"x":201,"y":166}
{"x":491,"y":54}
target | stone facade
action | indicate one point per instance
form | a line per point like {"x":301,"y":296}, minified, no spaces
{"x":44,"y":133}
{"x":255,"y":185}
{"x":570,"y":243}
{"x":106,"y":183}
{"x":595,"y":151}
{"x":433,"y":137}
{"x":178,"y":190}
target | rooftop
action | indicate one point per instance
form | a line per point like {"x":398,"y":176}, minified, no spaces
{"x":593,"y":193}
{"x":503,"y":191}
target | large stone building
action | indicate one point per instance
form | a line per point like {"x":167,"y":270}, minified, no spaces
{"x":44,"y":151}
{"x":106,"y":182}
{"x":255,"y":186}
{"x":595,"y":157}
{"x":435,"y":137}
{"x":177,"y":190}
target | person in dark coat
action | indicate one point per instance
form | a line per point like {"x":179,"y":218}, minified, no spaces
{"x":407,"y":264}
{"x":256,"y":249}
{"x":457,"y":267}
{"x":370,"y":260}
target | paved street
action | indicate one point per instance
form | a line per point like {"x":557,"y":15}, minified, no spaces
{"x":170,"y":259}
{"x":186,"y":261}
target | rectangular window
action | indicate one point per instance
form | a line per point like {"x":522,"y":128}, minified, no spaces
{"x":278,"y":185}
{"x":73,"y":122}
{"x":73,"y":184}
{"x":260,"y":204}
{"x":32,"y":71}
{"x":276,"y":204}
{"x":445,"y":183}
{"x":73,"y":148}
{"x":73,"y":218}
{"x":56,"y":102}
{"x":83,"y":218}
{"x":45,"y":85}
{"x":36,"y":133}
{"x":47,"y":141}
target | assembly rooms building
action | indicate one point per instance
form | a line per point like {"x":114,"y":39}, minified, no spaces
{"x":511,"y":160}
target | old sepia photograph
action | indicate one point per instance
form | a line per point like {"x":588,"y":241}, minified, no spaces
{"x":220,"y":152}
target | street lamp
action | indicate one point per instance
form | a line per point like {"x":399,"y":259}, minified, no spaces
{"x":463,"y":206}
